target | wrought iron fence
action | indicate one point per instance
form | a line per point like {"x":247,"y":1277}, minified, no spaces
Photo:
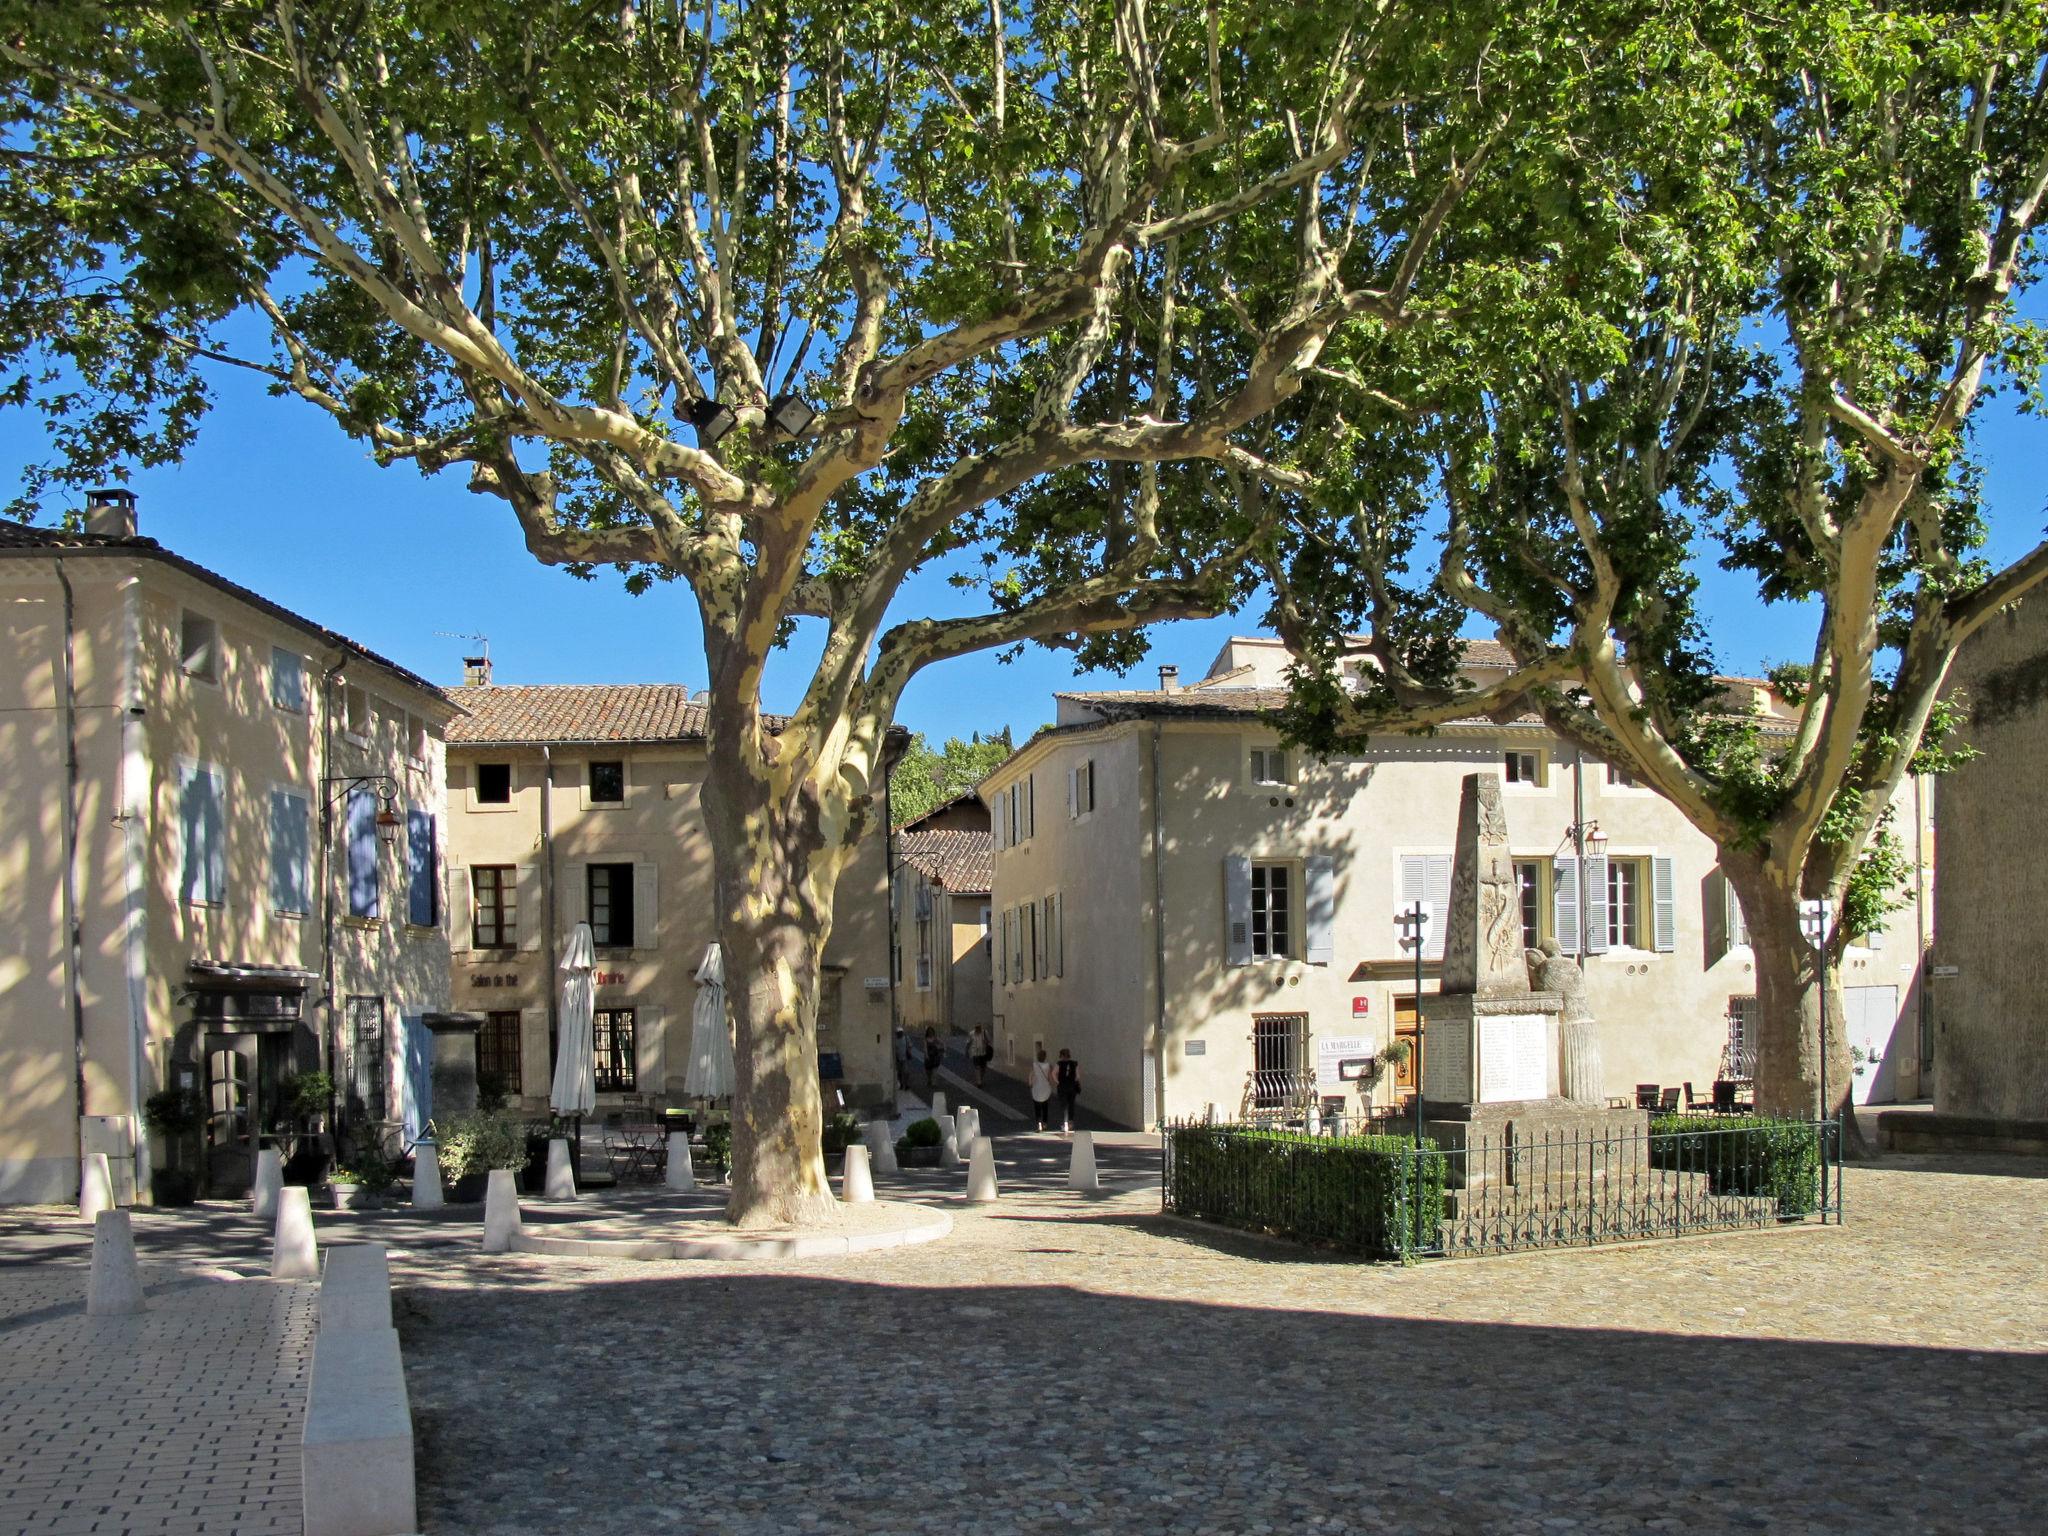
{"x":1364,"y":1185}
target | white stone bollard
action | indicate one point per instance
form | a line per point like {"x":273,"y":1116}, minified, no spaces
{"x":114,"y":1288}
{"x":95,"y":1187}
{"x":949,"y":1142}
{"x":294,"y":1254}
{"x":856,"y":1183}
{"x":939,"y":1106}
{"x":561,"y":1183}
{"x":269,"y":1180}
{"x":970,"y":1124}
{"x":882,"y":1148}
{"x":501,"y":1211}
{"x":1081,"y":1166}
{"x":981,"y":1172}
{"x":681,"y":1174}
{"x":426,"y":1177}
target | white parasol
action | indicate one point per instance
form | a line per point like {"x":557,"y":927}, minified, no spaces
{"x":710,"y":1073}
{"x":575,"y":1086}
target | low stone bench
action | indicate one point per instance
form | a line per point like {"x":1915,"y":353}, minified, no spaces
{"x":355,"y":1453}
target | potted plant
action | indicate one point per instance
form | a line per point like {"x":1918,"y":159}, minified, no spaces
{"x":717,"y":1149}
{"x":173,"y":1115}
{"x":362,"y":1184}
{"x":922,"y":1144}
{"x":841,"y":1131}
{"x":471,"y":1146}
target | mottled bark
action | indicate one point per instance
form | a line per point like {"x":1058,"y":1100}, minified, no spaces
{"x":1789,"y":1000}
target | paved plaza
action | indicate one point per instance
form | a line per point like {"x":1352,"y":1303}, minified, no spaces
{"x":1064,"y":1363}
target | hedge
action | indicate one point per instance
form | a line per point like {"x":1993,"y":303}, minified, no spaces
{"x":1743,"y":1155}
{"x":1350,"y":1192}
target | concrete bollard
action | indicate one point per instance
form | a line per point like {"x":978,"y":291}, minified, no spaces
{"x":881,"y":1148}
{"x":681,"y":1175}
{"x":970,"y":1124}
{"x":269,"y":1180}
{"x":426,"y":1177}
{"x":294,"y":1253}
{"x":856,"y":1183}
{"x":501,"y":1211}
{"x":1081,"y":1172}
{"x":938,"y":1106}
{"x":114,"y":1289}
{"x":561,"y":1184}
{"x":949,"y":1142}
{"x":981,"y":1172}
{"x":95,"y":1187}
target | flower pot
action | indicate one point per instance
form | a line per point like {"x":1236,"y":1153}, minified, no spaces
{"x":173,"y":1186}
{"x":919,"y":1157}
{"x":354,"y":1197}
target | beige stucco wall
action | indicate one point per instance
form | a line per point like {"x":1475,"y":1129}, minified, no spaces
{"x":138,"y":718}
{"x":659,"y":826}
{"x":1662,"y":1016}
{"x":957,"y":996}
{"x":1991,"y":1016}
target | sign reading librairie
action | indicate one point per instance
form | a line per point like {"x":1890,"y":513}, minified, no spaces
{"x":1513,"y":1057}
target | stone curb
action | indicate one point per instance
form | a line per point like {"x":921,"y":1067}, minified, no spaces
{"x":804,"y":1246}
{"x":1309,"y":1252}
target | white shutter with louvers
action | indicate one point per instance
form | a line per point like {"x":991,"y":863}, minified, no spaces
{"x":1596,"y":904}
{"x":1059,"y":934}
{"x":457,"y":906}
{"x":1237,"y":909}
{"x":646,"y":905}
{"x":650,"y":1046}
{"x":1318,"y":875}
{"x":1664,"y":903}
{"x":1738,"y":925}
{"x":1438,"y":895}
{"x":1414,"y":885}
{"x":531,"y":912}
{"x":1564,"y":904}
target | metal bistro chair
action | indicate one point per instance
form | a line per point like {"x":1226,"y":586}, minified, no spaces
{"x":1668,"y":1104}
{"x":1646,"y":1095}
{"x":1724,"y":1097}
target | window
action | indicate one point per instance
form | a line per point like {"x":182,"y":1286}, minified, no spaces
{"x":607,"y":783}
{"x":611,"y":905}
{"x":422,"y":870}
{"x":355,"y":713}
{"x":1081,"y":789}
{"x":199,"y":648}
{"x":1624,"y":902}
{"x":1425,"y":877}
{"x":366,"y":1079}
{"x":612,"y":1044}
{"x":1032,"y":943}
{"x":497,"y":1049}
{"x":924,"y":937}
{"x":416,"y":738}
{"x":1279,"y":1050}
{"x":1269,"y":766}
{"x":1272,"y":911}
{"x":987,"y":934}
{"x":291,"y":885}
{"x":359,"y":835}
{"x":494,"y":894}
{"x":1524,"y":767}
{"x":203,"y":876}
{"x":1619,"y":777}
{"x":1739,"y":1059}
{"x":493,"y":783}
{"x":1529,"y":888}
{"x":287,"y":680}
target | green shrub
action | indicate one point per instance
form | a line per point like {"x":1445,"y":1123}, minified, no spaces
{"x":172,"y":1111}
{"x":491,"y":1092}
{"x":923,"y":1133}
{"x":1743,"y":1155}
{"x":841,"y":1132}
{"x":304,"y":1095}
{"x":1375,"y":1195}
{"x":477,"y":1143}
{"x":718,"y":1146}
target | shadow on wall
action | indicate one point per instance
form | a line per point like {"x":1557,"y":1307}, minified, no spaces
{"x":1233,"y":1417}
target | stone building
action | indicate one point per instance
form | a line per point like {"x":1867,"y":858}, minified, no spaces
{"x":1207,"y":918}
{"x":1990,"y":958}
{"x":236,"y":816}
{"x":572,"y":803}
{"x":944,"y":863}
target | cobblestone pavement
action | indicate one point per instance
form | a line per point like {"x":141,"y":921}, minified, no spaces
{"x":183,"y":1421}
{"x":1068,"y":1364}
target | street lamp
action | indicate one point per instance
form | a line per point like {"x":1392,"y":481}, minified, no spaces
{"x":1414,"y":922}
{"x":388,"y":821}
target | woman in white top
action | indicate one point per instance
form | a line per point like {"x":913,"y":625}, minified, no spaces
{"x":981,"y":1051}
{"x":1041,"y":1090}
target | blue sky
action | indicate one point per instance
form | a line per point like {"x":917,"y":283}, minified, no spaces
{"x":274,"y":497}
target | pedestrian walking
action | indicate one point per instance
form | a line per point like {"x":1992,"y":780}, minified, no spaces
{"x":1041,"y":1089}
{"x":934,"y":1058}
{"x":981,"y":1051}
{"x":1067,"y":1083}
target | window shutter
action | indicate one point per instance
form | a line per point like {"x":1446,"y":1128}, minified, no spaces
{"x":1715,"y":917}
{"x":290,"y":845}
{"x":1564,"y":904}
{"x":1059,"y":934}
{"x":1073,"y":793}
{"x":531,"y":916}
{"x":646,"y":893}
{"x":1237,"y":909}
{"x":648,"y":1041}
{"x":1738,"y":925}
{"x":361,"y":840}
{"x":1664,"y":901}
{"x":1319,"y":877}
{"x":1031,"y":805}
{"x":1596,"y":904}
{"x":1002,"y":948}
{"x":421,"y":889}
{"x":1438,"y":895}
{"x":1414,"y":883}
{"x":1017,"y":943}
{"x":460,"y":902}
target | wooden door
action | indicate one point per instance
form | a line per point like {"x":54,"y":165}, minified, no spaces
{"x":1407,"y":1027}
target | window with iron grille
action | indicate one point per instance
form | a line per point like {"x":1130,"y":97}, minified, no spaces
{"x":1740,"y":1055}
{"x":1279,"y":1052}
{"x":612,"y":1045}
{"x":366,"y":1033}
{"x":495,"y":892}
{"x":1272,"y":911}
{"x":497,"y":1048}
{"x":611,"y":906}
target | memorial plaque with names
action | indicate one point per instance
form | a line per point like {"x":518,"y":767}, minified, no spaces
{"x":1513,"y":1060}
{"x":1447,"y":1066}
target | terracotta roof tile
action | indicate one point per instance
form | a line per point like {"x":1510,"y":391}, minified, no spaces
{"x":504,"y":714}
{"x":963,"y":862}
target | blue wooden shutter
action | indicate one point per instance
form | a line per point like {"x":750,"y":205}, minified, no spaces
{"x":1664,"y":902}
{"x":203,"y":876}
{"x":290,"y":852}
{"x":1237,"y":909}
{"x":422,"y":871}
{"x":360,"y":833}
{"x":1596,"y":904}
{"x":1321,"y":907}
{"x":1564,"y":904}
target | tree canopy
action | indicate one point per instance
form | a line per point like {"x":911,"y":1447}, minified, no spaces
{"x":924,"y":780}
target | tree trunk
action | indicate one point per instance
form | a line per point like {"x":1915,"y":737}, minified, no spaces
{"x":1790,"y":998}
{"x":775,"y":879}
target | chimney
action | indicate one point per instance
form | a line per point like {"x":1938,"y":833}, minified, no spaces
{"x":476,"y":671}
{"x":110,"y":512}
{"x":1169,"y":679}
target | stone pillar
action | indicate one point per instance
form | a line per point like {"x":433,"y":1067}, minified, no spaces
{"x":426,"y":1177}
{"x":114,"y":1288}
{"x":454,"y":1064}
{"x":949,"y":1142}
{"x":95,"y":1187}
{"x":981,"y":1172}
{"x":1081,"y":1166}
{"x":881,"y":1147}
{"x":501,"y":1211}
{"x":681,"y":1175}
{"x":561,"y":1183}
{"x":269,"y":1180}
{"x":856,"y":1184}
{"x":294,"y":1253}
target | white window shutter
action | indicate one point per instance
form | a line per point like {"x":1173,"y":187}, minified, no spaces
{"x":458,"y":907}
{"x":1002,"y":948}
{"x":1318,"y":875}
{"x":1438,"y":895}
{"x":1414,"y":883}
{"x":1073,"y":793}
{"x":646,"y":904}
{"x":1738,"y":925}
{"x":1059,"y":934}
{"x":1664,"y":900}
{"x":649,"y":1044}
{"x":1237,"y":909}
{"x":1596,"y":904}
{"x":1564,"y":903}
{"x":531,"y":916}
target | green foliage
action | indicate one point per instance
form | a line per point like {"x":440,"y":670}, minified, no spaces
{"x":923,"y":779}
{"x":1379,"y":1196}
{"x":490,"y":1092}
{"x":172,"y":1111}
{"x":843,"y":1130}
{"x":1743,"y":1155}
{"x":923,"y":1133}
{"x":718,"y":1146}
{"x":305,"y":1095}
{"x":477,"y":1143}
